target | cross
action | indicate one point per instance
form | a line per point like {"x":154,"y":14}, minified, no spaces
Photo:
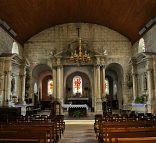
{"x":77,"y":83}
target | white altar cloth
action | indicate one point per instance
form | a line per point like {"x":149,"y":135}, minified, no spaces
{"x":75,"y":106}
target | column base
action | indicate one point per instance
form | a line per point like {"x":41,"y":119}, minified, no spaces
{"x":99,"y":106}
{"x":149,"y":106}
{"x":60,"y":100}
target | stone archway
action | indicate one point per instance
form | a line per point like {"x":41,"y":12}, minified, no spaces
{"x":40,"y":76}
{"x":85,"y":97}
{"x":114,"y":74}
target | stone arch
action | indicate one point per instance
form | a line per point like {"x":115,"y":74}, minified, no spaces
{"x":86,"y":87}
{"x":40,"y":75}
{"x":114,"y":73}
{"x":86,"y":70}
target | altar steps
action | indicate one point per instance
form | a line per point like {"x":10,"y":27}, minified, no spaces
{"x":79,"y":122}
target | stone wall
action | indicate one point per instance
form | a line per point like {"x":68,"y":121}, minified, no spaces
{"x":150,"y":41}
{"x":38,"y":48}
{"x":6,"y":42}
{"x":58,"y":37}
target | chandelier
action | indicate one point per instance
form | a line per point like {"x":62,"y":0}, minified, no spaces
{"x":80,"y":55}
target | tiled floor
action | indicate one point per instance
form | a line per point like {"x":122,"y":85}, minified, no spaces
{"x":77,"y":130}
{"x":77,"y":133}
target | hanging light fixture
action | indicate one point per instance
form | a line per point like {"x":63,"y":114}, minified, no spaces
{"x":80,"y":55}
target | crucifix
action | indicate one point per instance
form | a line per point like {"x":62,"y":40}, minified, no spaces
{"x":77,"y":84}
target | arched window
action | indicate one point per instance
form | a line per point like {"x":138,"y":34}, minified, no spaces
{"x":107,"y":86}
{"x":50,"y":87}
{"x":35,"y":88}
{"x":15,"y":48}
{"x":141,"y":47}
{"x":77,"y":85}
{"x":114,"y":91}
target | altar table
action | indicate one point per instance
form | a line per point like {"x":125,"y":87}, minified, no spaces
{"x":67,"y":106}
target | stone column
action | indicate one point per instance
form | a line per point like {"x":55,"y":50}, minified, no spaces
{"x":31,"y":88}
{"x":61,"y":90}
{"x":58,"y":88}
{"x":54,"y":82}
{"x":149,"y":84}
{"x":8,"y":85}
{"x":98,"y":96}
{"x":103,"y":95}
{"x":95,"y":88}
{"x":5,"y":88}
{"x":150,"y":90}
{"x":22,"y":77}
{"x":134,"y":79}
{"x":154,"y":78}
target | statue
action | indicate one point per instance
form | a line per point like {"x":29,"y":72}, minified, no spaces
{"x":13,"y":85}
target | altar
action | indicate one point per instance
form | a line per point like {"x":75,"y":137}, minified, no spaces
{"x":67,"y":106}
{"x":140,"y":108}
{"x":72,"y":109}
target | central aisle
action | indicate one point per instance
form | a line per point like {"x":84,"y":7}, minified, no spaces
{"x":79,"y":133}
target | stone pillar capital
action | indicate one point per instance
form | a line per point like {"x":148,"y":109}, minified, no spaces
{"x":7,"y":72}
{"x":97,"y":65}
{"x":103,"y":66}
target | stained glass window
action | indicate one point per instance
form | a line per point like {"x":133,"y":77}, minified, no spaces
{"x":107,"y":86}
{"x":50,"y":87}
{"x":77,"y":85}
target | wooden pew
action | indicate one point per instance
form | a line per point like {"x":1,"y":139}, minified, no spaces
{"x":130,"y":135}
{"x":22,"y":136}
{"x":48,"y":128}
{"x":105,"y":127}
{"x":30,"y":110}
{"x":53,"y":126}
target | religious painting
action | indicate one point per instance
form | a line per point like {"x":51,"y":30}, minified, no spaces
{"x":77,"y":86}
{"x":50,"y":87}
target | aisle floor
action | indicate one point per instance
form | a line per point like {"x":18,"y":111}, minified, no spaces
{"x":78,"y":133}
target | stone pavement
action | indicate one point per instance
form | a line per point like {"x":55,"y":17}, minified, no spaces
{"x":79,"y":133}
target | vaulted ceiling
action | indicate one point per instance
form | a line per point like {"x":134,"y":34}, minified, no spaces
{"x":29,"y":17}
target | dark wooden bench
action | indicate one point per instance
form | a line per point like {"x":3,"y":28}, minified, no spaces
{"x":130,"y":135}
{"x":30,"y":110}
{"x":23,"y":136}
{"x":9,"y":114}
{"x":52,"y":126}
{"x":49,"y":128}
{"x":108,"y":130}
